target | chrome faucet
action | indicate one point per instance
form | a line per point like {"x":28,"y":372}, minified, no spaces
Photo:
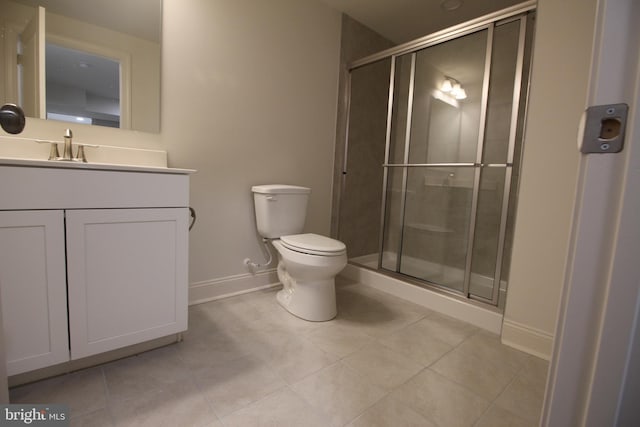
{"x":68,"y":149}
{"x":67,"y":155}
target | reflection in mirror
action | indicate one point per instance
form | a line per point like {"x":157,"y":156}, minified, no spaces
{"x":101,"y":63}
{"x":81,"y":87}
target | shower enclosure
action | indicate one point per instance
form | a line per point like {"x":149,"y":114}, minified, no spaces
{"x":432,"y":156}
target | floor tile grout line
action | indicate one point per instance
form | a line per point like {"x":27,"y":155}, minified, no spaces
{"x":107,"y":396}
{"x":493,"y":401}
{"x":513,"y":380}
{"x":453,"y":347}
{"x":466,"y":387}
{"x":493,"y":405}
{"x":357,"y":374}
{"x":193,"y":380}
{"x":266,"y":396}
{"x":420,"y":363}
{"x":430,"y":368}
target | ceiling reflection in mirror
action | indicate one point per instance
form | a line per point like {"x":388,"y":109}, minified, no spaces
{"x":94,"y":62}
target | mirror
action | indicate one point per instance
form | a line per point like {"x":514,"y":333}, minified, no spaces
{"x":86,"y":62}
{"x":444,"y":131}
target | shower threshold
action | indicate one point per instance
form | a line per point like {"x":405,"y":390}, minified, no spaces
{"x":435,"y":297}
{"x":431,"y":273}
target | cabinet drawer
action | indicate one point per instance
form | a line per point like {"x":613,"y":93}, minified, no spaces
{"x":54,"y":188}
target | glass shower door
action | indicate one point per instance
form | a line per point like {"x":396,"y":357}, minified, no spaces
{"x":433,"y":160}
{"x":450,"y":159}
{"x":486,"y":277}
{"x":444,"y":118}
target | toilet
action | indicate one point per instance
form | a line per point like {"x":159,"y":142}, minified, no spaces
{"x":307,"y":263}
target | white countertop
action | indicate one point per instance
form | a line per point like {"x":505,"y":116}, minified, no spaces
{"x":90,"y":166}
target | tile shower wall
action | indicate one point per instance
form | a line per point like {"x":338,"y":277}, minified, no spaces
{"x":356,"y":219}
{"x":446,"y":210}
{"x":359,"y":225}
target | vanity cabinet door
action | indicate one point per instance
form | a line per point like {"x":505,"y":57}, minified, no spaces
{"x":127,"y":276}
{"x":33,"y":289}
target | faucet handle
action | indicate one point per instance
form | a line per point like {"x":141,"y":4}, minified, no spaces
{"x":54,"y":154}
{"x":80,"y":156}
{"x":68,"y":133}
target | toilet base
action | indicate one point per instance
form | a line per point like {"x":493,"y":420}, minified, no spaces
{"x":313,"y":301}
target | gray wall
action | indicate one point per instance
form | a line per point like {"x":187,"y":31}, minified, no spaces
{"x":249,"y":97}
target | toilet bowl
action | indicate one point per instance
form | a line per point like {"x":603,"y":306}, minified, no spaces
{"x":307,"y":266}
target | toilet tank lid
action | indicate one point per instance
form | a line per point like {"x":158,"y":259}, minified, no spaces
{"x":280,"y":189}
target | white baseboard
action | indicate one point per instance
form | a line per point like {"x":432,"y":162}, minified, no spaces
{"x":527,"y":339}
{"x":484,"y":318}
{"x":224,"y":287}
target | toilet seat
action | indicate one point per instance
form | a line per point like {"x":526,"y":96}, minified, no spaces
{"x":313,"y":244}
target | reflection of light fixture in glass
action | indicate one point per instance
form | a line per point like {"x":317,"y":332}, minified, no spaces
{"x":453,"y":87}
{"x":446,"y":86}
{"x":438,"y":94}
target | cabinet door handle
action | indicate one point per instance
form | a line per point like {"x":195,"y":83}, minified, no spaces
{"x":192,"y":213}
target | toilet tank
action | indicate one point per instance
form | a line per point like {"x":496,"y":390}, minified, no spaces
{"x":280,"y":209}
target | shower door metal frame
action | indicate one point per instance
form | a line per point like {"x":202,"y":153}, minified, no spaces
{"x":482,"y":125}
{"x":405,"y":160}
{"x":488,"y":22}
{"x":515,"y":108}
{"x":446,"y":34}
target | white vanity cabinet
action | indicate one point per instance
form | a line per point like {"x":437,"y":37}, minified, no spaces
{"x":34,"y":289}
{"x":90,"y":261}
{"x":127,"y":274}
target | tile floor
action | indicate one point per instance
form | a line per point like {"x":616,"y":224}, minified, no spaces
{"x":246,"y":362}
